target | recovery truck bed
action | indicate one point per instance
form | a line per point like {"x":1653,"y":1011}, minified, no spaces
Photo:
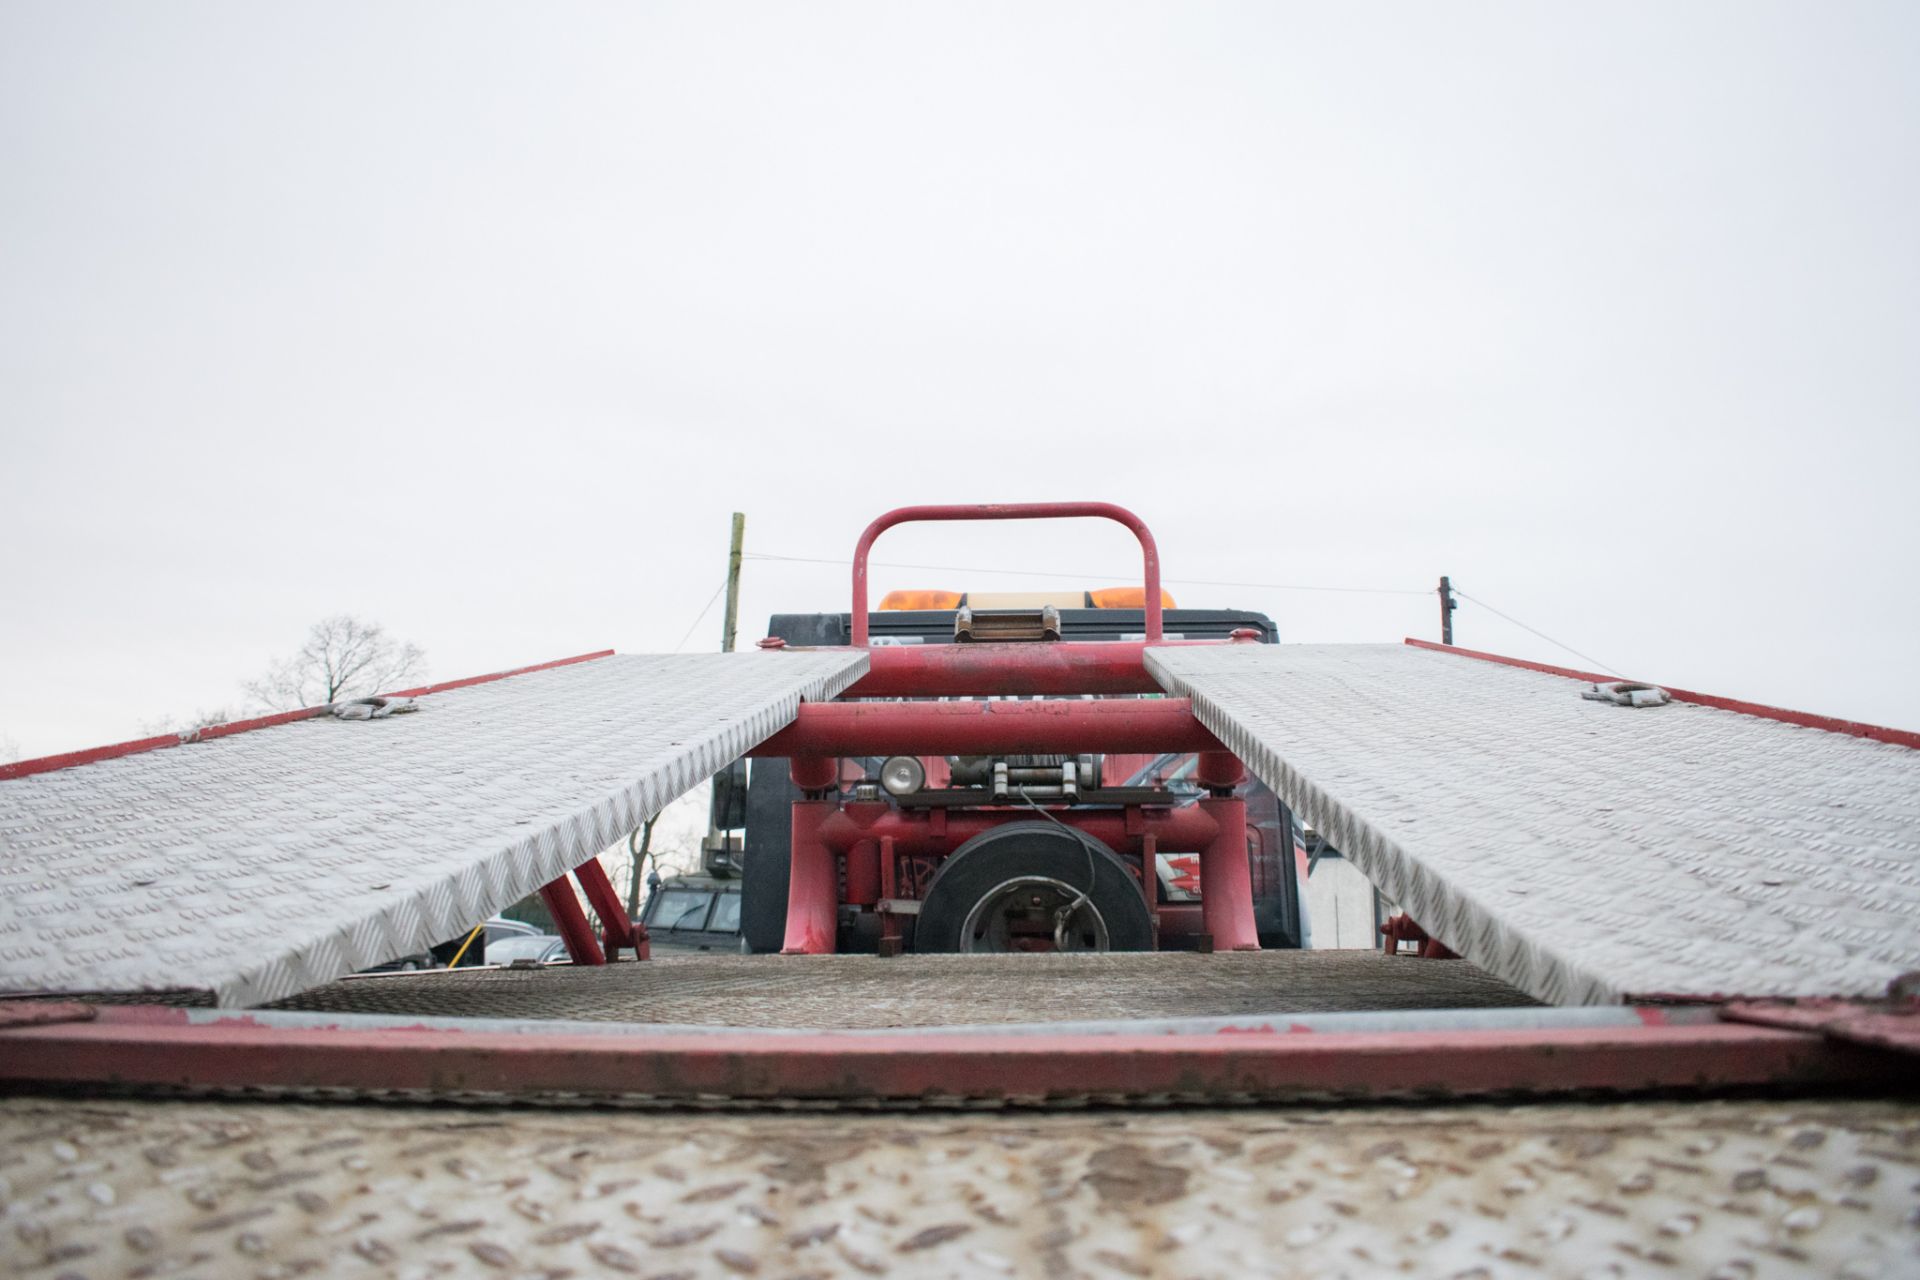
{"x":1688,"y":930}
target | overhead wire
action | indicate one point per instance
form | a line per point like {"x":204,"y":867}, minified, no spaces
{"x":1536,"y":631}
{"x":1084,"y":577}
{"x":1185,"y":582}
{"x":1065,"y":914}
{"x":705,"y":609}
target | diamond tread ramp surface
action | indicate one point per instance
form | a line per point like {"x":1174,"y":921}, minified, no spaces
{"x":257,"y":865}
{"x":866,"y":992}
{"x":1583,"y":851}
{"x":1758,"y":1189}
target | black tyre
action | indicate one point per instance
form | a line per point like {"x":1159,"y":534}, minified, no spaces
{"x":767,"y":856}
{"x":1276,"y":878}
{"x":1025,"y":887}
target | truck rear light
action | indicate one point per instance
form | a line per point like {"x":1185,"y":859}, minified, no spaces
{"x":1126,"y":598}
{"x":900,"y":600}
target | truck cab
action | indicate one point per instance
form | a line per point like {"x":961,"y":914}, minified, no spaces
{"x":699,"y":911}
{"x":694,"y":913}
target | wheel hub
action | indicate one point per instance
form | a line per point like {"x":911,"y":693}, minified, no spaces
{"x":1034,"y":913}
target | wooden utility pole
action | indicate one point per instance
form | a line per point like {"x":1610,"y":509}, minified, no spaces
{"x":716,"y":837}
{"x":1447,"y":605}
{"x":733,"y":582}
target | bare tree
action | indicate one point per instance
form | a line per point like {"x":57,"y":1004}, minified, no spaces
{"x":187,"y":725}
{"x":343,"y":658}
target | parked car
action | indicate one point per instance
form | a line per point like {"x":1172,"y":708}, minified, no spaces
{"x":694,"y":913}
{"x":542,"y":948}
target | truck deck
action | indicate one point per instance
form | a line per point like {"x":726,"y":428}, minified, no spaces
{"x":1755,"y":1189}
{"x":1688,"y":932}
{"x":850,"y":992}
{"x":1581,"y":852}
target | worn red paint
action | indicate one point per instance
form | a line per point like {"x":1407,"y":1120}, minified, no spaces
{"x":914,"y":832}
{"x":1226,"y":900}
{"x":582,"y":946}
{"x":620,"y":931}
{"x":33,"y":1013}
{"x":92,"y":755}
{"x":984,"y":728}
{"x":445,"y":685}
{"x":1401,"y":928}
{"x":1885,"y":1024}
{"x":1806,"y":719}
{"x":139,"y":1049}
{"x":813,"y":883}
{"x":979,"y":670}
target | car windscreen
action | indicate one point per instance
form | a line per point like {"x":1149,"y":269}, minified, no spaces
{"x":507,"y":950}
{"x":680,"y":909}
{"x":726,"y":914}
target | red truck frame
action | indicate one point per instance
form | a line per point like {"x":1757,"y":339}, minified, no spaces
{"x":850,"y":852}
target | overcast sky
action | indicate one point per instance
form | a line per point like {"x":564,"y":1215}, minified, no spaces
{"x":478,"y":321}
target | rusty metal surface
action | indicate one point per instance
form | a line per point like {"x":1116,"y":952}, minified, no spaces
{"x":165,"y":1052}
{"x":927,"y":990}
{"x":39,"y":1013}
{"x":1732,"y":1190}
{"x":1585,"y":852}
{"x":262,"y":863}
{"x":1493,"y":1018}
{"x":1887,"y":1024}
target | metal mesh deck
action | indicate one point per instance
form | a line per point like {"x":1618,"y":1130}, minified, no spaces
{"x":1582,"y":851}
{"x":1763,"y":1190}
{"x":927,"y":990}
{"x":257,"y":865}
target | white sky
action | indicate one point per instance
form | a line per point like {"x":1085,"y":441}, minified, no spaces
{"x":478,"y":321}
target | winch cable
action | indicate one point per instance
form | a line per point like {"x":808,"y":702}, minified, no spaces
{"x":1064,"y":914}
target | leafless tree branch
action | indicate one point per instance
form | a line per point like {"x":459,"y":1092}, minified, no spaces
{"x":187,"y":724}
{"x":343,"y":658}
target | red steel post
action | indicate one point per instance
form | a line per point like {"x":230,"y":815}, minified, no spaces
{"x":863,"y":873}
{"x":1219,"y":770}
{"x":1149,"y":553}
{"x":1150,"y":884}
{"x":813,"y":885}
{"x":614,"y":923}
{"x":565,"y":908}
{"x":890,"y":940}
{"x":1226,"y":886}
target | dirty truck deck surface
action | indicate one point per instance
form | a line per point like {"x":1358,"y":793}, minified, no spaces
{"x":928,"y":990}
{"x":1751,"y":1189}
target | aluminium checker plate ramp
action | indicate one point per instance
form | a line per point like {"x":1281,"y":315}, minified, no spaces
{"x":260,"y":864}
{"x":1585,"y":852}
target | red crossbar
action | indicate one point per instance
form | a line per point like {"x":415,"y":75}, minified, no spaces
{"x":161,"y":1048}
{"x":981,"y":728}
{"x":1026,"y":670}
